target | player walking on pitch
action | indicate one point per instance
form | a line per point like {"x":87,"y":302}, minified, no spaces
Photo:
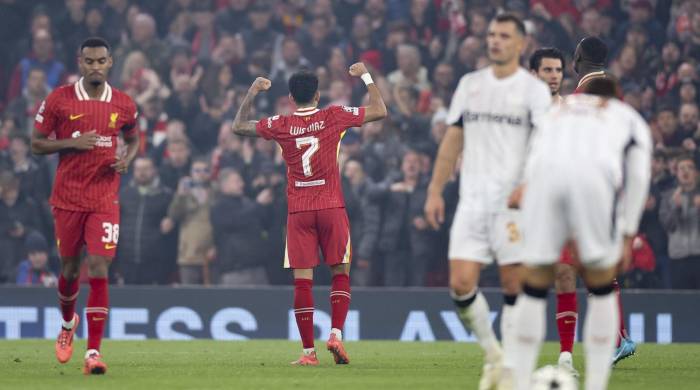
{"x":310,"y":140}
{"x":587,"y":177}
{"x":491,"y":117}
{"x":86,"y":119}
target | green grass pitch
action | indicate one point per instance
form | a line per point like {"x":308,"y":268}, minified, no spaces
{"x":30,"y":364}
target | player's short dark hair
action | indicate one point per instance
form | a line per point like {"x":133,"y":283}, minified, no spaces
{"x":594,"y":50}
{"x":512,"y":18}
{"x":602,"y":86}
{"x":546,"y":52}
{"x":303,"y":86}
{"x":95,"y":42}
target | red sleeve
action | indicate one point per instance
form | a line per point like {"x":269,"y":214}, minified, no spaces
{"x":131,"y":114}
{"x":46,"y":118}
{"x":268,"y":127}
{"x":348,"y":116}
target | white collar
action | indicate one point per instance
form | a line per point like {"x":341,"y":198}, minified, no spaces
{"x":306,"y":111}
{"x":83,"y":95}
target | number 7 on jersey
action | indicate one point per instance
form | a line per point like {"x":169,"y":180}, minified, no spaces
{"x":306,"y":157}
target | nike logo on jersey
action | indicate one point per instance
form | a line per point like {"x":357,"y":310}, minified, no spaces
{"x":110,"y":246}
{"x":74,"y":117}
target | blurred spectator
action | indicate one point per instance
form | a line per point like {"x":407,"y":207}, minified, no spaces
{"x":203,"y":35}
{"x":317,"y":41}
{"x":411,"y":72}
{"x":233,"y":18}
{"x":358,"y":185}
{"x":641,"y":12}
{"x":666,"y":78}
{"x":143,"y":38}
{"x":34,"y":270}
{"x":32,"y":173}
{"x":190,"y":209}
{"x":42,"y":57}
{"x":261,"y":35}
{"x":404,"y":241}
{"x":680,"y":216}
{"x":18,"y":217}
{"x":144,"y":254}
{"x":238,"y":231}
{"x":25,"y":106}
{"x":177,"y":162}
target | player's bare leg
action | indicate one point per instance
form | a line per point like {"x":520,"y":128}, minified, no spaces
{"x":473,"y":311}
{"x":304,"y":314}
{"x":97,"y":310}
{"x":625,"y":346}
{"x":68,"y":287}
{"x":567,"y":313}
{"x":340,"y":304}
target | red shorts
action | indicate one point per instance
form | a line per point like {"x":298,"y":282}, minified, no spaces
{"x":99,"y":231}
{"x":328,"y":229}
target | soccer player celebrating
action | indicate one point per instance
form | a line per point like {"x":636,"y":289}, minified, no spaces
{"x":588,"y":152}
{"x":491,"y":116}
{"x":86,"y":119}
{"x":548,"y":64}
{"x":310,"y":139}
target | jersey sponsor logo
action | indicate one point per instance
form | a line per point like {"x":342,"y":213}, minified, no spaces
{"x":104,"y":141}
{"x":315,"y":126}
{"x":113,"y":120}
{"x":76,"y":116}
{"x":354,"y":110}
{"x":514,"y":120}
{"x":312,"y":183}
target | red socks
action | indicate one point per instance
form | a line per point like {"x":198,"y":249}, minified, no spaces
{"x":622,"y":333}
{"x":304,"y":310}
{"x":340,"y":300}
{"x":67,"y":294}
{"x":97,"y":309}
{"x":567,"y":314}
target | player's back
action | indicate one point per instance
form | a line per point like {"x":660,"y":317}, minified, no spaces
{"x":497,"y":117}
{"x":310,"y":142}
{"x":85,"y":180}
{"x":587,"y":133}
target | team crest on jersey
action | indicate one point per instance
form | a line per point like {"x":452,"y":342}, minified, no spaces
{"x":354,"y":110}
{"x":113,"y":120}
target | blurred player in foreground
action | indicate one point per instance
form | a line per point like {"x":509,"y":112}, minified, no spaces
{"x":86,"y":119}
{"x":491,"y":117}
{"x":548,"y":64}
{"x":587,"y":177}
{"x":310,"y":140}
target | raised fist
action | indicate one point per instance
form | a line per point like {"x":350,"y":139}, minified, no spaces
{"x":261,"y":84}
{"x":357,"y":69}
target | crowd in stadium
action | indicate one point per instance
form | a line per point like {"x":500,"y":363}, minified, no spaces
{"x":203,"y":206}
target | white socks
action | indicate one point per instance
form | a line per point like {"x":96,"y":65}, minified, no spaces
{"x":68,"y":325}
{"x":507,"y":329}
{"x":599,"y":336}
{"x":527,"y":337}
{"x":338,"y":333}
{"x":476,"y":318}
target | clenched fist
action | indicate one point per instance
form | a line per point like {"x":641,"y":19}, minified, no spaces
{"x":358,"y":69}
{"x":260,"y":84}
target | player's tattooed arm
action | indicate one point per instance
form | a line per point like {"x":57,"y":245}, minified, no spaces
{"x":41,"y":144}
{"x":241,"y":124}
{"x":376,"y":109}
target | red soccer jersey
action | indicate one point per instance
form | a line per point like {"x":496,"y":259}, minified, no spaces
{"x":84,"y":179}
{"x":310,"y":141}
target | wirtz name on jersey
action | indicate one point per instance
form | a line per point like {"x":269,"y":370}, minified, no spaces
{"x":315,"y":126}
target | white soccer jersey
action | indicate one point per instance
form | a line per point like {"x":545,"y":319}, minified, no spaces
{"x":590,"y":135}
{"x":497,"y":116}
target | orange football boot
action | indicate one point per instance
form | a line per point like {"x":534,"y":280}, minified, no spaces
{"x":64,"y":342}
{"x":336,"y":347}
{"x":94,"y":364}
{"x":307,"y":360}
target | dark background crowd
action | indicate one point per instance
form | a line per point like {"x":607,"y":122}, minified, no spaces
{"x":203,"y":206}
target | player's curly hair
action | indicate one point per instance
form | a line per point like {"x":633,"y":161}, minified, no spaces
{"x":303,"y":85}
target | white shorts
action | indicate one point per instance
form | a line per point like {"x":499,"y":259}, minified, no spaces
{"x":559,"y":205}
{"x":482,"y":236}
